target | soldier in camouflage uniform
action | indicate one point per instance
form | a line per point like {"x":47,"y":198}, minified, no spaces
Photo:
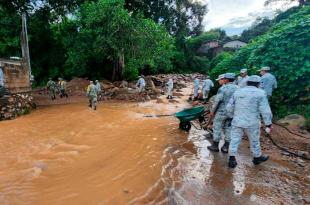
{"x":62,"y":87}
{"x":51,"y":87}
{"x":243,"y":78}
{"x":246,"y":107}
{"x":221,"y":121}
{"x":92,"y":95}
{"x":206,"y":87}
{"x":268,"y":81}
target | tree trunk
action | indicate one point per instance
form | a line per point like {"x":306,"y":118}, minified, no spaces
{"x":118,"y":67}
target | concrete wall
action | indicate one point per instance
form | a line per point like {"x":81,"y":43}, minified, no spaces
{"x":234,"y":44}
{"x":16,"y":76}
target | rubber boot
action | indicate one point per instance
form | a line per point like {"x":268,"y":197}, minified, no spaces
{"x":214,"y":147}
{"x":225,"y":147}
{"x":258,"y":160}
{"x":232,"y":163}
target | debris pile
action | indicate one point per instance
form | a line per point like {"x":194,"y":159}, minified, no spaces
{"x":13,"y":105}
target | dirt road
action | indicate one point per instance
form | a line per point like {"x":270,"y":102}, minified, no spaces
{"x":69,"y":154}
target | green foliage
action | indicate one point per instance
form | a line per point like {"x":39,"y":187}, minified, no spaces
{"x":260,"y":27}
{"x":10,"y":26}
{"x":220,"y":64}
{"x":285,"y":49}
{"x":191,"y":60}
{"x":181,"y":18}
{"x":107,"y":31}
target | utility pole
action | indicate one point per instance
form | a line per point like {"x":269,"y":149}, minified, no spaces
{"x":24,"y":44}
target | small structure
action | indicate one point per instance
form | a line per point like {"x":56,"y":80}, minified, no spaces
{"x":15,"y":96}
{"x":204,"y":48}
{"x":236,"y":44}
{"x":16,"y":75}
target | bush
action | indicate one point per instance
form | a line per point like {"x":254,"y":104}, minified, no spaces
{"x":285,"y":49}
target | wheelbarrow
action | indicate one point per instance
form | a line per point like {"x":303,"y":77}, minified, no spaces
{"x":186,"y":117}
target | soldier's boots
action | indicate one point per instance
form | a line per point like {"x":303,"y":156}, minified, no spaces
{"x":225,"y":147}
{"x":214,"y":147}
{"x":232,"y":163}
{"x":258,"y":160}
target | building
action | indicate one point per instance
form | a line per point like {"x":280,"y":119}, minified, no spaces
{"x":16,"y":75}
{"x":206,"y":47}
{"x":236,"y":44}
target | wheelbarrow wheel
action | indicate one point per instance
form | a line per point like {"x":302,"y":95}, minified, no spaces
{"x":186,"y":126}
{"x":201,"y":119}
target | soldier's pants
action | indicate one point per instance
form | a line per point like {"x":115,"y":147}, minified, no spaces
{"x":221,"y":123}
{"x":196,"y":92}
{"x":63,"y":93}
{"x":205,"y":94}
{"x":93,"y":101}
{"x":236,"y":135}
{"x":169,"y":91}
{"x":52,"y":93}
{"x":141,"y":88}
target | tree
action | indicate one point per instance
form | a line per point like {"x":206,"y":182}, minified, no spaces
{"x":106,"y":32}
{"x":285,"y":49}
{"x":10,"y":28}
{"x":300,"y":2}
{"x":260,"y":27}
{"x":179,"y":17}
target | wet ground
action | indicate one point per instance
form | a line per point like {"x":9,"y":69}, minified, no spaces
{"x":70,"y":154}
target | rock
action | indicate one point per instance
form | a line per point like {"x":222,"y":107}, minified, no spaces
{"x":132,"y":85}
{"x":150,"y":84}
{"x":108,"y":86}
{"x":160,"y":100}
{"x":41,"y":165}
{"x":126,"y":191}
{"x":178,"y":94}
{"x":124,"y":84}
{"x":115,"y":89}
{"x":293,"y":119}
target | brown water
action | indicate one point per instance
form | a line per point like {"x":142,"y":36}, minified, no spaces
{"x":69,"y":154}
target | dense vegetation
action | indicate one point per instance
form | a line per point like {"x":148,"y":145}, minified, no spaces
{"x":285,"y":48}
{"x":112,"y":39}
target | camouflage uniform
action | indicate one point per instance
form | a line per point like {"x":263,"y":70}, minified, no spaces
{"x":268,"y":83}
{"x":170,"y":88}
{"x":63,"y":86}
{"x":245,"y":107}
{"x":92,"y":95}
{"x":206,"y":87}
{"x":51,"y":86}
{"x":141,"y":84}
{"x":1,"y":77}
{"x":241,"y":81}
{"x":196,"y":87}
{"x":221,"y":120}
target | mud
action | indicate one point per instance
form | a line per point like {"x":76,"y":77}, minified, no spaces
{"x":70,"y":154}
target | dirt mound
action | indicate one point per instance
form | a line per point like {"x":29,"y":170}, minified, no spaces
{"x":77,"y":86}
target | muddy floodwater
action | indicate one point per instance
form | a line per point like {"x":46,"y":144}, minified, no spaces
{"x":69,"y":154}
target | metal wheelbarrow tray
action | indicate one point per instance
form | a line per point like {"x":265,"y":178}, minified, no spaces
{"x":188,"y":115}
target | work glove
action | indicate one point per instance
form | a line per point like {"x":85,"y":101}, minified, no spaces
{"x":268,"y":129}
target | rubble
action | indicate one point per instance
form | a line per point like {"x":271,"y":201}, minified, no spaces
{"x":293,"y":120}
{"x":125,"y":90}
{"x":13,"y":105}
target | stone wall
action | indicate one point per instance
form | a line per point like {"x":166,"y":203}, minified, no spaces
{"x":16,"y":75}
{"x":13,"y":105}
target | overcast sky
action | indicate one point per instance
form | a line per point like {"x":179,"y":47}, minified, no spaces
{"x":236,"y":15}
